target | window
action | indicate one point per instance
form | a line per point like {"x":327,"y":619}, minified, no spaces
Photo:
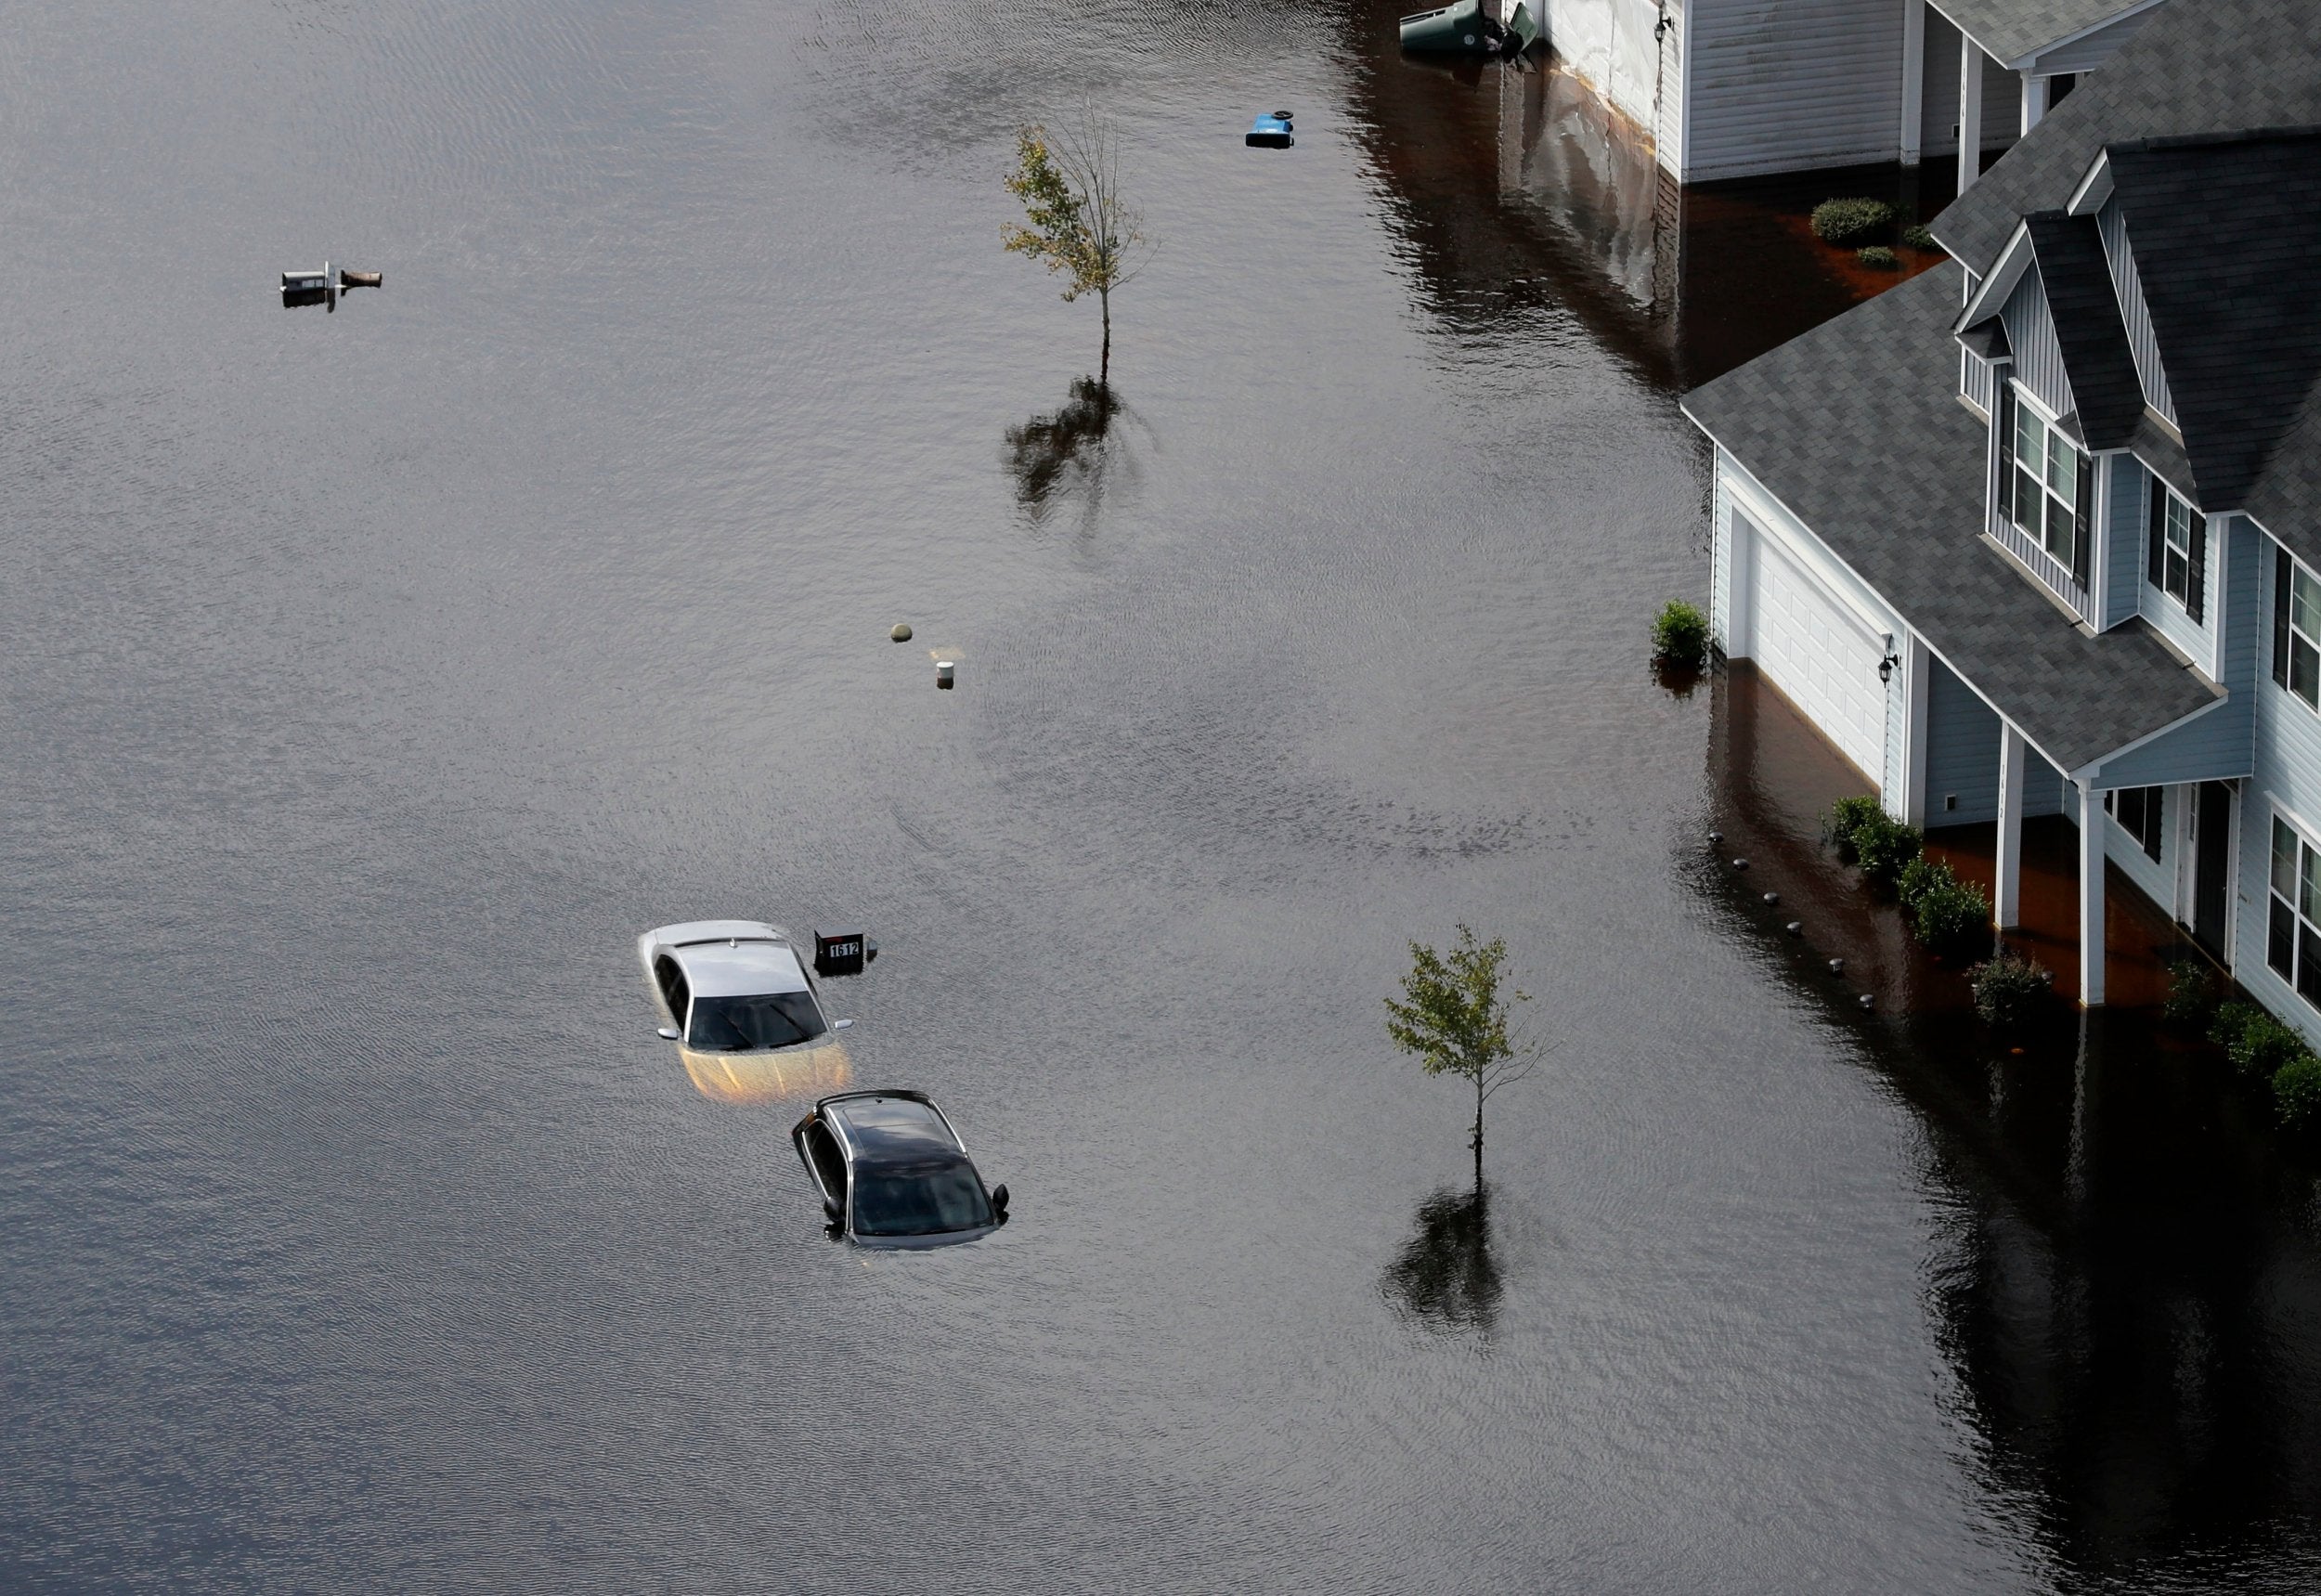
{"x":2044,"y":485}
{"x":747,"y":1024}
{"x":2296,"y":628}
{"x":2139,"y":811}
{"x":2176,"y":562}
{"x":2291,"y":945}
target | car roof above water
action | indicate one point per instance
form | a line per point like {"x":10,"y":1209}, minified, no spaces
{"x":741,"y":969}
{"x":886,"y":1129}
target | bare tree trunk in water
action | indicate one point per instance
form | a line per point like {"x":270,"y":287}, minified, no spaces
{"x":1478,"y":1132}
{"x":1104,"y":370}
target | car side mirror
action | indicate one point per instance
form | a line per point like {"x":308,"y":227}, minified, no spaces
{"x":837,"y":1211}
{"x":668,"y":1033}
{"x":999,"y":1199}
{"x":840,"y":1024}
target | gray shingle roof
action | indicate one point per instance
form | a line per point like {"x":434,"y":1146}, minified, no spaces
{"x":2226,"y":238}
{"x":2010,"y":30}
{"x":2105,"y":392}
{"x":1857,"y":428}
{"x":2198,"y":66}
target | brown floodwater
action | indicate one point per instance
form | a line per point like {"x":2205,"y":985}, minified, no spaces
{"x":376,"y":676}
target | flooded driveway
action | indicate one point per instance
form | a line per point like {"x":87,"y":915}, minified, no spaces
{"x":374,"y":678}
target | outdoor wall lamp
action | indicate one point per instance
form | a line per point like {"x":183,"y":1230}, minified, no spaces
{"x":1886,"y":665}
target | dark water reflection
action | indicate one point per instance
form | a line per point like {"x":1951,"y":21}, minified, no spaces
{"x":2125,"y":1280}
{"x":374,"y":679}
{"x":1446,"y":1276}
{"x":1080,"y":454}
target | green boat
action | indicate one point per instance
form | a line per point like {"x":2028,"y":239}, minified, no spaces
{"x":1455,"y":29}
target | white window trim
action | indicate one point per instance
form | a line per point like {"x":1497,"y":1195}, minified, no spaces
{"x":2053,"y":422}
{"x":2295,"y":565}
{"x":2306,"y":837}
{"x":2191,"y":512}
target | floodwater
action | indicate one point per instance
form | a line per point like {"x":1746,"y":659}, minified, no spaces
{"x":372,"y":678}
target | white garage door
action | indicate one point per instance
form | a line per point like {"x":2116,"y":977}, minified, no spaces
{"x":1818,"y":653}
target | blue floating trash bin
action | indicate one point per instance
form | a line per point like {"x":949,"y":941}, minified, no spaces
{"x":1270,"y":132}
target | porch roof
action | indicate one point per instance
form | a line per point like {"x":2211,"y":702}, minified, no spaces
{"x":1858,"y":429}
{"x":2011,"y":32}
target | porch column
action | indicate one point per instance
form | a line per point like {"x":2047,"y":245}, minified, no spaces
{"x":1969,"y":111}
{"x":2091,"y":894}
{"x":2007,"y":904}
{"x":1914,"y":78}
{"x":1917,"y":700}
{"x":2034,"y":100}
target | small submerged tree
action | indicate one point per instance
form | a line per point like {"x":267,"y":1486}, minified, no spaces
{"x":1075,"y":217}
{"x":1453,"y":1018}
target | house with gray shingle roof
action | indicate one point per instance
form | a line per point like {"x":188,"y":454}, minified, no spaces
{"x":2038,"y":531}
{"x":1738,"y":88}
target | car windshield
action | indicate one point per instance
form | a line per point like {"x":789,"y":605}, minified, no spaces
{"x":918,"y":1201}
{"x":744,"y":1024}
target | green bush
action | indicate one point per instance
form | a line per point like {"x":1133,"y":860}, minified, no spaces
{"x":2191,"y":992}
{"x":1878,"y":256}
{"x":1951,"y":916}
{"x":2263,"y":1045}
{"x":1918,"y":236}
{"x":1851,"y":221}
{"x":1920,"y":877}
{"x":1883,"y":845}
{"x":1680,"y":635}
{"x":2007,"y":987}
{"x":2297,"y":1090}
{"x":1847,"y":817}
{"x":2230,"y":1020}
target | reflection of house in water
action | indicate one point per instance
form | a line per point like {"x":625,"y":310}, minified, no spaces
{"x":2120,"y":1278}
{"x":1705,"y":278}
{"x":1588,"y":173}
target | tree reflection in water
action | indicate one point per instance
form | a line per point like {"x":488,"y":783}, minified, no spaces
{"x":1446,"y":1277}
{"x":1079,"y":453}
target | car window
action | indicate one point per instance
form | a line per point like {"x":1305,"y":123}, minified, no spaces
{"x":823,"y":1149}
{"x":918,"y":1201}
{"x":744,"y":1024}
{"x":672,"y":981}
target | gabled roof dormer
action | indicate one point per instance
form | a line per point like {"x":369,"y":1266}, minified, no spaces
{"x":2050,"y":304}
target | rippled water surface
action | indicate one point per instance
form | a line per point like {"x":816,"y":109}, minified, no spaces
{"x":373,"y":677}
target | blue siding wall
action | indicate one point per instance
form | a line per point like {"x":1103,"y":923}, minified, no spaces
{"x":2123,"y":580}
{"x":2031,"y":331}
{"x":2212,"y":746}
{"x":1963,"y":757}
{"x":2113,"y":224}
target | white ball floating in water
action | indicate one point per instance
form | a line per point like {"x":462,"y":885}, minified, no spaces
{"x":902,"y":632}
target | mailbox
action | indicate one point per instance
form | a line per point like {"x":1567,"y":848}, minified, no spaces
{"x":842,"y":952}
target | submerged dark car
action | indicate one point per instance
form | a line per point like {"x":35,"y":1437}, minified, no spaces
{"x":892,"y":1172}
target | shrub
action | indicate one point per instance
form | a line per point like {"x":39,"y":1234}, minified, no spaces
{"x":2230,"y":1020}
{"x":1850,"y":221}
{"x":2191,"y":992}
{"x":2007,"y":987}
{"x":1918,"y":236}
{"x":1878,"y":256}
{"x":1680,"y":635}
{"x":1847,"y":817}
{"x":1951,"y":916}
{"x":1884,"y":845}
{"x":2263,"y":1045}
{"x":2297,"y":1090}
{"x":1920,"y":877}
